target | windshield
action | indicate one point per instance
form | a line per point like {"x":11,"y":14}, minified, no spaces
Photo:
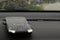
{"x":31,"y":5}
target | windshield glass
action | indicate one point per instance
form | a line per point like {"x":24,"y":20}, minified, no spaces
{"x":30,"y":5}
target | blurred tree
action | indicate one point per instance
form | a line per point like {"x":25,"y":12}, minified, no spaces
{"x":12,"y":4}
{"x":49,"y":1}
{"x":23,"y":4}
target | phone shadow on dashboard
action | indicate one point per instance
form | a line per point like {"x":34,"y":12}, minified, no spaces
{"x":20,"y":36}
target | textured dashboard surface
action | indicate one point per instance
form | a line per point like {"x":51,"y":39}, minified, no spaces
{"x":43,"y":30}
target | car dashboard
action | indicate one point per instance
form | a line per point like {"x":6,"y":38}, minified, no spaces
{"x":43,"y":29}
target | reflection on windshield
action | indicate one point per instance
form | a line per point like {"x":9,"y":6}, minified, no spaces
{"x":30,"y":5}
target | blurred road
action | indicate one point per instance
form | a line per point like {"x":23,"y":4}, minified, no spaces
{"x":55,"y":6}
{"x":43,"y":30}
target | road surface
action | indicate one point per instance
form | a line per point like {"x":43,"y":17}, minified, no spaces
{"x":54,"y":6}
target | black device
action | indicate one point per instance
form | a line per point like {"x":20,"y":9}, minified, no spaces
{"x":17,"y":25}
